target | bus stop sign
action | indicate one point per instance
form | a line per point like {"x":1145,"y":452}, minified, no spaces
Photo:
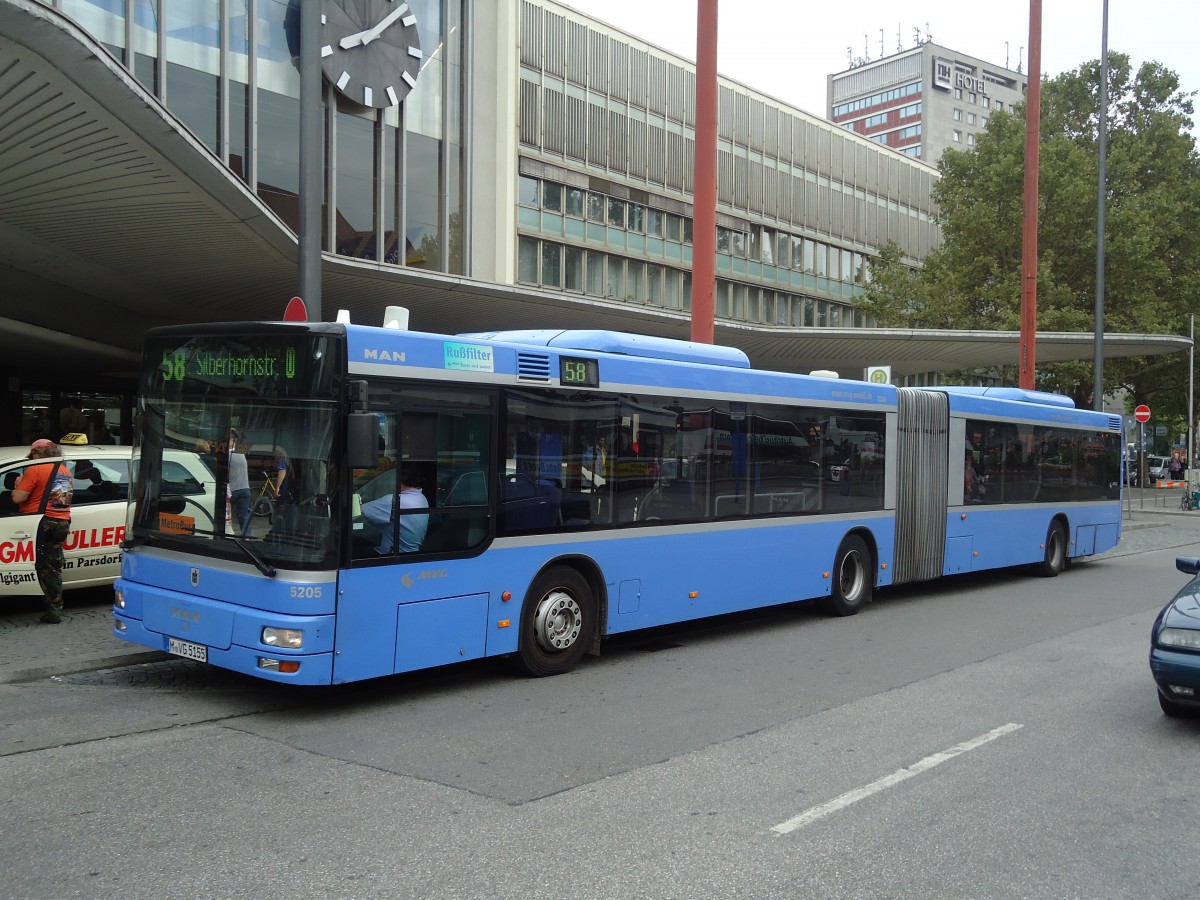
{"x":1142,"y":413}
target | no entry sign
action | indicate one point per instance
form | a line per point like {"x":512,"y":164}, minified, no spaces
{"x":1142,"y":413}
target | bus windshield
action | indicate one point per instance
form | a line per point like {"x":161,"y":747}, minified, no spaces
{"x":225,"y":407}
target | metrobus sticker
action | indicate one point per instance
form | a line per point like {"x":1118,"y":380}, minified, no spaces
{"x":170,"y":523}
{"x":468,"y":357}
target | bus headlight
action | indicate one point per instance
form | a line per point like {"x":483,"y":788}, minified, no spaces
{"x":119,"y":599}
{"x":292,"y":638}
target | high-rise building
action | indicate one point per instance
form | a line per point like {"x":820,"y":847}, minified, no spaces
{"x":923,"y":100}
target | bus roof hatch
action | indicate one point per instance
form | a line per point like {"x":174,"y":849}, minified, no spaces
{"x":623,"y":343}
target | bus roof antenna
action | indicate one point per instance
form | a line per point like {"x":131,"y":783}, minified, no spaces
{"x":396,"y":317}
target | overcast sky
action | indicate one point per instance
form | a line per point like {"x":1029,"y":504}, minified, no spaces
{"x":785,"y":48}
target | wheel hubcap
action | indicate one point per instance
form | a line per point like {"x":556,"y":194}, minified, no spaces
{"x":851,"y":576}
{"x":558,"y":621}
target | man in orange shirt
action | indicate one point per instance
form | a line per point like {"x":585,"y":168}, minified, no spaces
{"x":46,"y":488}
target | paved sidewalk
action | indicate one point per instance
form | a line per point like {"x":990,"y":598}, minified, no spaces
{"x":84,"y":640}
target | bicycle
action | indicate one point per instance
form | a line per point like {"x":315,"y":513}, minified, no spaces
{"x":1191,"y":498}
{"x":264,"y":503}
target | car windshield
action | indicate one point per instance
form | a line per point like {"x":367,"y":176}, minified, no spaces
{"x":192,"y":456}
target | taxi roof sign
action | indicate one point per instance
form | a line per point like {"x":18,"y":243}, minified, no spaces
{"x":74,"y":439}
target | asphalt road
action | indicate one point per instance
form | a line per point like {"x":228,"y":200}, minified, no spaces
{"x":992,"y":736}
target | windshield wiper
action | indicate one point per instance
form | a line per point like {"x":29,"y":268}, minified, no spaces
{"x":262,"y":565}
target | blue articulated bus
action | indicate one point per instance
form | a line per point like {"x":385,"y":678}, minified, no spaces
{"x":526,"y":494}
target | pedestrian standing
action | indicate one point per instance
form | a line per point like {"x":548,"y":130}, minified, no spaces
{"x":1175,"y":467}
{"x":239,"y":484}
{"x":46,"y":488}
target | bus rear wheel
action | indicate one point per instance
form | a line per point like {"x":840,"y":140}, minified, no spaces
{"x":852,"y":577}
{"x":1056,"y":551}
{"x":557,"y":623}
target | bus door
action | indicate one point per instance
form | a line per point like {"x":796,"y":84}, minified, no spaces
{"x":400,"y":607}
{"x":921,"y":496}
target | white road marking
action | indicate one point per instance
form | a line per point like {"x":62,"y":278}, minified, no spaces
{"x":851,"y":797}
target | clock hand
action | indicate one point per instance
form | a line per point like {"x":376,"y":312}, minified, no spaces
{"x":365,"y":37}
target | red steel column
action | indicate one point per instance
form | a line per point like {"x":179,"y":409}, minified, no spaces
{"x":704,"y":198}
{"x":1029,"y":240}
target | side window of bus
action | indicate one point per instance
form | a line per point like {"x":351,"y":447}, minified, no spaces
{"x":460,"y":518}
{"x":785,"y":475}
{"x":561,"y":463}
{"x":1024,"y":463}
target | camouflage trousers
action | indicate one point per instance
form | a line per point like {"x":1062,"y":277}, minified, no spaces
{"x":51,"y":534}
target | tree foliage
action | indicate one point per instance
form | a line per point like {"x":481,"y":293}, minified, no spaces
{"x":1152,"y":234}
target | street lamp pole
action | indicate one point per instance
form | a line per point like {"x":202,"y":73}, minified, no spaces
{"x":1101,"y":192}
{"x":311,"y":163}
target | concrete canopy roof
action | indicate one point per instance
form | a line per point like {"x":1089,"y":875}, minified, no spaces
{"x":115,"y":218}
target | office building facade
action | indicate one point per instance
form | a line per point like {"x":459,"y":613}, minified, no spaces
{"x":922,"y":101}
{"x":535,"y":153}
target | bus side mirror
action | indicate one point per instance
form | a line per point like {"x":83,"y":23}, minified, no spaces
{"x":362,"y":440}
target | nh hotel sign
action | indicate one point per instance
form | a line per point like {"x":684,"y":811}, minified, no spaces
{"x":945,"y":77}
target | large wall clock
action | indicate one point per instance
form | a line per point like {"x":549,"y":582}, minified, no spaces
{"x":370,"y":50}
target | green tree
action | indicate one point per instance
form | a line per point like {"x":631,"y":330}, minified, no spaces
{"x":1152,"y":234}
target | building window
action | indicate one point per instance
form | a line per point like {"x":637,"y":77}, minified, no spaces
{"x":575,"y":202}
{"x":971,"y":140}
{"x":527,"y":261}
{"x":674,"y":227}
{"x":654,"y":223}
{"x":595,"y":274}
{"x":724,"y":239}
{"x":971,"y":97}
{"x":616,"y":212}
{"x":957,"y":137}
{"x":573,"y":269}
{"x":957,"y":115}
{"x":527,"y":191}
{"x":616,"y":277}
{"x":987,"y":102}
{"x":552,"y":196}
{"x":983,"y":121}
{"x":1000,"y":104}
{"x":970,"y":118}
{"x":636,"y":214}
{"x":958,"y":93}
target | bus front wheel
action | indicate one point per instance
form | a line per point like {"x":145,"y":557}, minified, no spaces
{"x":852,"y":577}
{"x":557,"y":623}
{"x":1056,"y":551}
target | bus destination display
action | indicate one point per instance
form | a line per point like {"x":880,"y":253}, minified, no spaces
{"x":576,"y":372}
{"x":228,"y":363}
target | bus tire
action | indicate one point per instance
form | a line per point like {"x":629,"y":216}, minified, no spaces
{"x":1056,"y":551}
{"x":852,"y":577}
{"x":558,"y":621}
